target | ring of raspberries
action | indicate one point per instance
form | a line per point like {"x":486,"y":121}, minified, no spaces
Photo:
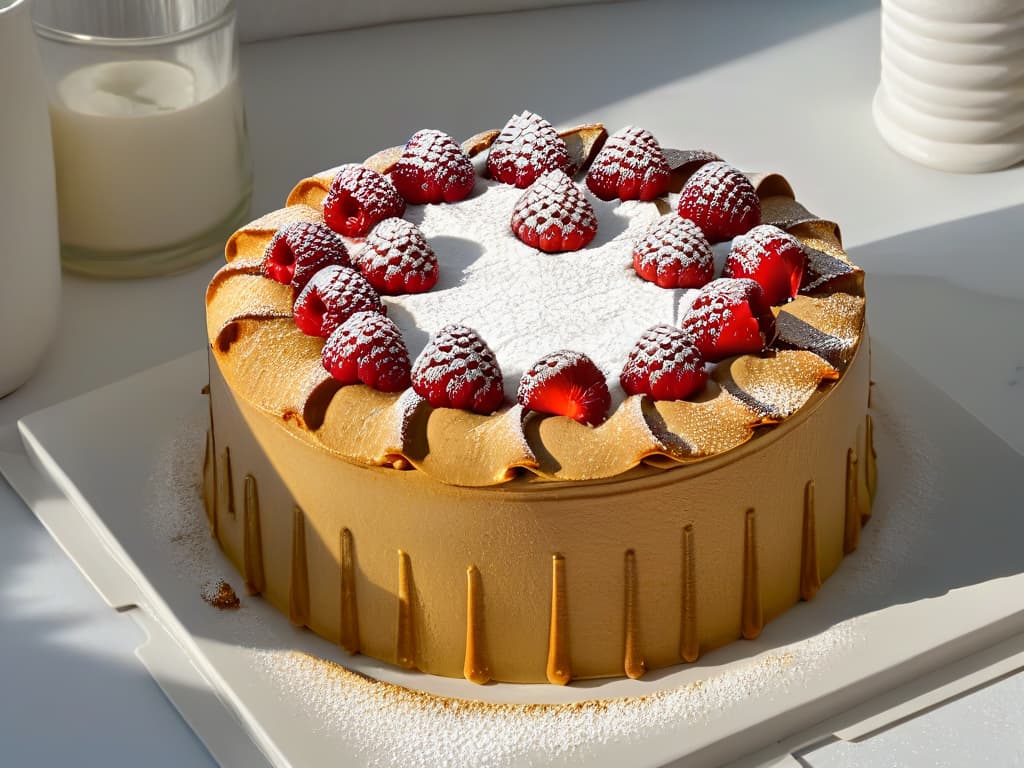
{"x":339,"y":269}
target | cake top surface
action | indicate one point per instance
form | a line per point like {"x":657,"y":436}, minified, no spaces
{"x":524,"y":303}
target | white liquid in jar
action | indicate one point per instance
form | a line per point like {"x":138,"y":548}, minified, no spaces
{"x":144,"y":160}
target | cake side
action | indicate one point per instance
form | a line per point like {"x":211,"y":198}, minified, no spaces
{"x":601,"y":579}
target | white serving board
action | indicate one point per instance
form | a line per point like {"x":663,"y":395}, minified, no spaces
{"x":937,"y":584}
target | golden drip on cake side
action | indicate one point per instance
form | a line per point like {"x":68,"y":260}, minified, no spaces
{"x":349,"y":633}
{"x":810,"y":575}
{"x":689,"y":637}
{"x":475,"y":669}
{"x":298,"y":581}
{"x":252,"y":541}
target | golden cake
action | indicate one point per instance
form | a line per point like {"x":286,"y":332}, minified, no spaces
{"x":537,"y":407}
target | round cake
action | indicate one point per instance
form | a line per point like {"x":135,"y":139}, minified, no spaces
{"x":539,"y":406}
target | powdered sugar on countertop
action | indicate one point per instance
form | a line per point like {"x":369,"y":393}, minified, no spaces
{"x":526,"y":303}
{"x":175,"y":508}
{"x":390,"y":726}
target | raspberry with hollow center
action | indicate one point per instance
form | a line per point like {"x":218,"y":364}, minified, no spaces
{"x":358,"y":199}
{"x":332,"y":296}
{"x":300,"y":250}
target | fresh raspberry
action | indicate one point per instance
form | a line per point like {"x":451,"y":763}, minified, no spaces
{"x":674,"y":253}
{"x":433,"y":169}
{"x":458,"y":370}
{"x":368,"y":348}
{"x":730,"y":317}
{"x":721,"y":201}
{"x":772,"y":257}
{"x":566,"y":383}
{"x":359,"y":199}
{"x":397,"y":259}
{"x":526,"y":147}
{"x":554,"y":215}
{"x":330,"y":298}
{"x":630,"y":166}
{"x":664,"y":364}
{"x":300,"y":250}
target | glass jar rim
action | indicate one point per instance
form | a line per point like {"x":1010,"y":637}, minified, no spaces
{"x":224,"y":17}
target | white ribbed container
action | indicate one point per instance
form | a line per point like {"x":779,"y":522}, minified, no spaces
{"x":951,"y":94}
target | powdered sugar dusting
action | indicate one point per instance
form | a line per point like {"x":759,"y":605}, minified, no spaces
{"x":175,"y":508}
{"x":389,"y":725}
{"x":525,"y":303}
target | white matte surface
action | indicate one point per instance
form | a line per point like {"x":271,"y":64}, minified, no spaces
{"x":804,"y":72}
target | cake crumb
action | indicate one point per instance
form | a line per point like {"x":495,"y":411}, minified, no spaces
{"x":221,"y":595}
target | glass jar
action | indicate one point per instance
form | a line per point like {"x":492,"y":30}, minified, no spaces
{"x":149,"y":138}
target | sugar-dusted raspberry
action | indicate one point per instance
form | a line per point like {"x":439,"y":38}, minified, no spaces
{"x":398,"y":259}
{"x":458,"y":370}
{"x":300,"y":250}
{"x":721,"y":201}
{"x":630,"y":166}
{"x":332,"y":296}
{"x":674,"y":253}
{"x":664,"y":364}
{"x":566,"y":383}
{"x":730,"y":317}
{"x":527,"y":147}
{"x":772,"y":257}
{"x":368,"y":349}
{"x":433,"y":169}
{"x":554,"y":215}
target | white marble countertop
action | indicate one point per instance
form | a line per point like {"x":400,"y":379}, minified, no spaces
{"x":786,"y":87}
